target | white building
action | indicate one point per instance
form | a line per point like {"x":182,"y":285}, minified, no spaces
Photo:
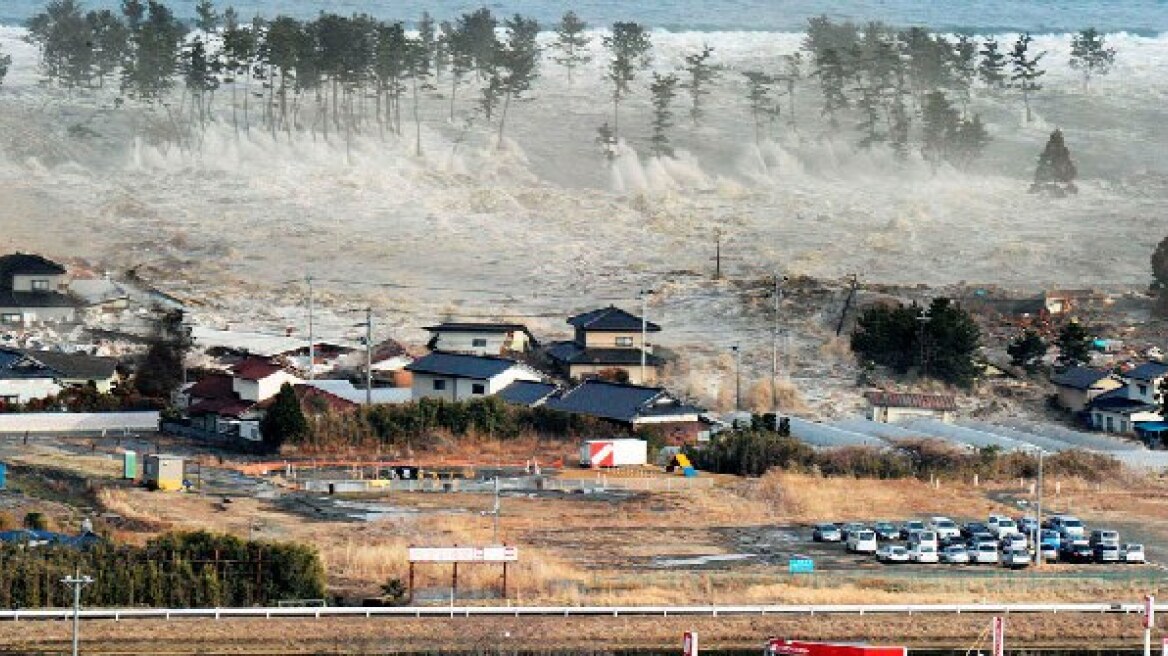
{"x":458,"y":377}
{"x":258,"y":380}
{"x":33,"y":289}
{"x":480,"y":338}
{"x":896,"y":408}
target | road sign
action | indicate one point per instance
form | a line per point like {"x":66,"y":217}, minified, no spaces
{"x":1149,"y":611}
{"x":463,"y":554}
{"x":689,"y":644}
{"x":801,"y":566}
{"x":999,"y":636}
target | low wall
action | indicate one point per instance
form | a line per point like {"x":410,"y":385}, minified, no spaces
{"x":78,"y":422}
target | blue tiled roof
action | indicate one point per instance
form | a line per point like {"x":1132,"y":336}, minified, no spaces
{"x":525,"y":392}
{"x":611,"y":319}
{"x":1079,"y":377}
{"x":461,"y":366}
{"x":1148,"y":371}
{"x":619,"y":401}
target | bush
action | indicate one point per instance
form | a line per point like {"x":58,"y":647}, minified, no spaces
{"x":37,"y":521}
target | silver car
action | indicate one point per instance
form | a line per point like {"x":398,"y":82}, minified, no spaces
{"x":955,"y":554}
{"x":1107,"y":553}
{"x":1132,"y":553}
{"x":1015,"y":558}
{"x":892,"y":553}
{"x":986,"y":553}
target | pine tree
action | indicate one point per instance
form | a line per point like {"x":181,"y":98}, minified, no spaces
{"x":760,"y":94}
{"x":900,"y":124}
{"x":284,"y":421}
{"x":792,"y":73}
{"x":629,"y":52}
{"x":418,"y":67}
{"x":700,"y":74}
{"x":571,"y":43}
{"x":1056,"y":171}
{"x":939,"y":123}
{"x":427,"y":36}
{"x":1074,"y":344}
{"x":964,"y":67}
{"x":1027,"y":350}
{"x":1090,"y":55}
{"x":110,"y":36}
{"x":161,"y":371}
{"x":239,"y":49}
{"x":5,"y":63}
{"x":1026,"y":71}
{"x":518,"y":63}
{"x":206,"y":18}
{"x":971,"y":140}
{"x":832,"y":79}
{"x":992,"y":67}
{"x":664,"y":90}
{"x":1160,"y":278}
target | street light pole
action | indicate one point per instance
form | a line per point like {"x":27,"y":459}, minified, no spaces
{"x":1038,"y":531}
{"x":368,"y":357}
{"x":737,"y":377}
{"x":78,"y":582}
{"x":775,"y":345}
{"x":311,"y":336}
{"x":644,"y":294}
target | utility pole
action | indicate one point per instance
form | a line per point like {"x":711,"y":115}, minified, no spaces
{"x":717,"y":254}
{"x":644,"y":332}
{"x":1038,"y":531}
{"x":737,"y":377}
{"x":855,"y":284}
{"x":368,"y":357}
{"x":922,"y":320}
{"x":311,"y":335}
{"x":775,"y":345}
{"x":78,"y":582}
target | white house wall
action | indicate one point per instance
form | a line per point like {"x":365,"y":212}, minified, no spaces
{"x":1150,"y":392}
{"x":461,"y":389}
{"x":24,"y":283}
{"x":28,"y":389}
{"x":262,"y":390}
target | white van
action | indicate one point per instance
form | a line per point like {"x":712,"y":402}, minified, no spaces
{"x":863,"y":541}
{"x":1001,"y":526}
{"x":1068,"y":527}
{"x":925,"y":537}
{"x":944,"y":527}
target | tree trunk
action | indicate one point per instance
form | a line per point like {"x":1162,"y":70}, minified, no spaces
{"x":453,"y":93}
{"x":417,"y":122}
{"x":503,"y":120}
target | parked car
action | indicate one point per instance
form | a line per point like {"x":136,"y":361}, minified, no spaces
{"x":973,"y":528}
{"x":985,"y":553}
{"x":910,"y":527}
{"x":1076,"y":551}
{"x":1132,"y":553}
{"x":1067,"y":526}
{"x":827,"y":533}
{"x":892,"y":553}
{"x":851,"y":527}
{"x":982,"y":538}
{"x":1104,"y":536}
{"x":924,"y":553}
{"x":886,"y":531}
{"x":924,"y":537}
{"x":1014,"y":541}
{"x":1050,"y":536}
{"x":1028,"y":524}
{"x":1050,"y":552}
{"x":1015,"y":558}
{"x":1107,"y":553}
{"x":955,"y":554}
{"x":862,"y":541}
{"x":1001,"y":526}
{"x":944,"y":527}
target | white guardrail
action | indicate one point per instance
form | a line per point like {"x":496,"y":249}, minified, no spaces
{"x":119,"y":614}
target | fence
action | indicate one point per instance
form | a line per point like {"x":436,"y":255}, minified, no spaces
{"x":600,"y":484}
{"x":78,"y":422}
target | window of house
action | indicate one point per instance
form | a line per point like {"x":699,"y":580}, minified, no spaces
{"x":624,"y":341}
{"x":1123,"y":425}
{"x":439,"y":385}
{"x":479,"y":342}
{"x":40,"y":285}
{"x":9,"y":400}
{"x":1143,"y":390}
{"x":1110,"y":425}
{"x":9,"y":318}
{"x":478,"y":388}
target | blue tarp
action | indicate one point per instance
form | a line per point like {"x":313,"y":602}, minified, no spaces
{"x":38,"y":538}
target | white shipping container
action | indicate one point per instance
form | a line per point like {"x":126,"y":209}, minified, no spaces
{"x":614,"y":453}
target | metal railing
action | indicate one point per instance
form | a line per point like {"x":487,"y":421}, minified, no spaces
{"x":418,"y":612}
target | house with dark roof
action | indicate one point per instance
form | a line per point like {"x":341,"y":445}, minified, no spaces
{"x":1077,"y":386}
{"x":898,"y":407}
{"x":232,"y":402}
{"x":608,"y":341}
{"x":1117,"y":412}
{"x":634,"y":407}
{"x":32,"y":289}
{"x":24,"y":378}
{"x":480,"y":338}
{"x":1145,"y":380}
{"x":458,"y":377}
{"x":80,"y":369}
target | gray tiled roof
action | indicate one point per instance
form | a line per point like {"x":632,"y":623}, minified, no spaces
{"x":77,"y":365}
{"x":28,"y":264}
{"x":573,"y":353}
{"x":1078,"y":377}
{"x":461,"y":366}
{"x":610,"y":319}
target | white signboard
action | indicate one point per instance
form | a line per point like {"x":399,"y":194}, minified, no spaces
{"x":463,"y":554}
{"x":1149,"y":612}
{"x":999,"y":636}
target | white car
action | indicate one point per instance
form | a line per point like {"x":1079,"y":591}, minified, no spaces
{"x":862,"y":541}
{"x":924,"y":537}
{"x":944,"y":527}
{"x":892,"y":553}
{"x":924,"y":553}
{"x":1001,"y":526}
{"x":1068,"y":526}
{"x":1015,"y":558}
{"x":1014,"y":541}
{"x":986,"y":553}
{"x":1132,"y":553}
{"x":955,"y":554}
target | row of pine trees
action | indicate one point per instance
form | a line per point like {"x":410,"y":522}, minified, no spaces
{"x":176,"y":570}
{"x":352,"y":75}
